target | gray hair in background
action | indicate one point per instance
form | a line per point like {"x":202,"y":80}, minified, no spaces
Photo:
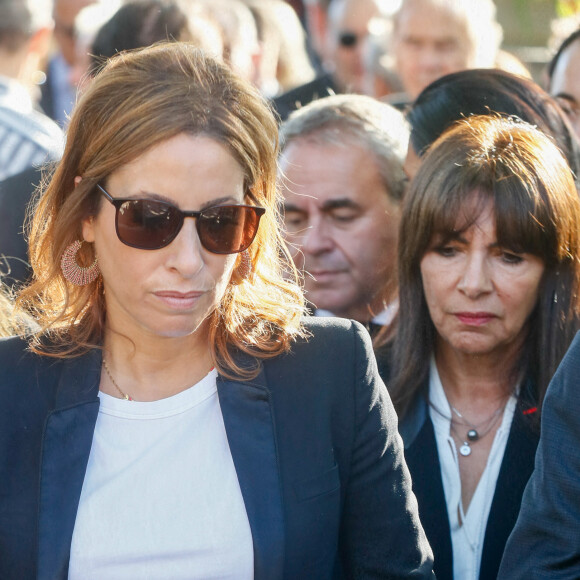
{"x":346,"y":120}
{"x":20,"y":19}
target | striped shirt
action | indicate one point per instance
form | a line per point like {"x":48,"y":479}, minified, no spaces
{"x":27,"y":137}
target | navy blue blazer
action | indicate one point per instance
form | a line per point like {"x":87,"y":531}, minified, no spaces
{"x":545,"y":543}
{"x":517,"y":465}
{"x":313,"y":438}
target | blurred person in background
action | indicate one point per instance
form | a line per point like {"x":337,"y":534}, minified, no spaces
{"x":87,"y":24}
{"x":564,"y":78}
{"x":432,"y":38}
{"x":58,"y":95}
{"x":135,"y":24}
{"x":284,"y":60}
{"x":489,"y":301}
{"x":16,"y":194}
{"x":241,"y":47}
{"x":342,"y":178}
{"x":27,"y":137}
{"x":346,"y":32}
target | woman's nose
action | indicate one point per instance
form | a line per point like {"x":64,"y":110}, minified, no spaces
{"x":475,"y":278}
{"x":185,"y":251}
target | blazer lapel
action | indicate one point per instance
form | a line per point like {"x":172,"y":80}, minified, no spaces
{"x":423,"y":462}
{"x":249,"y":423}
{"x":66,"y":446}
{"x":516,"y":468}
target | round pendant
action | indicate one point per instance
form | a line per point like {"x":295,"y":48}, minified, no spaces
{"x":465,"y":449}
{"x":472,"y":435}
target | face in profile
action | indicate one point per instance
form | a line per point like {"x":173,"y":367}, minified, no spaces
{"x":429,"y":42}
{"x":169,"y":291}
{"x":565,"y":83}
{"x":479,"y":294}
{"x":341,"y":226}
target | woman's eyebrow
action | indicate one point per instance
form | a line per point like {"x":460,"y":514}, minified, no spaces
{"x":160,"y":197}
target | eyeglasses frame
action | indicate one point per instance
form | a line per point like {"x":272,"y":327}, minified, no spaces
{"x":117,"y":202}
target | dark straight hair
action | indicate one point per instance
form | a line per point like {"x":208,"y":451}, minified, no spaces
{"x":459,"y":95}
{"x":537,"y":210}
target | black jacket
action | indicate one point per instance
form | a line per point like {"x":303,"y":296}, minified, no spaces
{"x":313,"y":438}
{"x":516,"y":467}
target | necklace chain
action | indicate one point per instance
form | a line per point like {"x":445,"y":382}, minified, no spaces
{"x":485,"y":422}
{"x":472,"y":435}
{"x":123,"y":395}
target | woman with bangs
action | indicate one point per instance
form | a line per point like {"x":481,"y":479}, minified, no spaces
{"x":489,"y":302}
{"x":174,"y":416}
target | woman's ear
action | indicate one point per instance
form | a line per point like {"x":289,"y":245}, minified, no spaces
{"x":87,"y":223}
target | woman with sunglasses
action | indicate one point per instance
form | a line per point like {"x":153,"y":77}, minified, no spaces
{"x":489,"y":300}
{"x":175,"y":417}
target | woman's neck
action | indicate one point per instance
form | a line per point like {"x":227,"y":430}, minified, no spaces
{"x":152,"y":367}
{"x":476,"y":379}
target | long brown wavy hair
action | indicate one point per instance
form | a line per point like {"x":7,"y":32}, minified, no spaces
{"x":536,"y":209}
{"x":138,"y":100}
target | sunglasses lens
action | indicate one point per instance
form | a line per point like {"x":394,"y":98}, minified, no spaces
{"x":147,"y":224}
{"x":348,"y":39}
{"x":228,"y":229}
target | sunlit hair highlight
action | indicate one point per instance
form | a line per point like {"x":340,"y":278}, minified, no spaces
{"x":139,"y":100}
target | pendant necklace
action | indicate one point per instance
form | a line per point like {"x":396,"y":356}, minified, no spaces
{"x":473,"y":434}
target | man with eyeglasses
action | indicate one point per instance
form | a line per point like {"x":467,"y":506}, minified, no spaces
{"x":341,"y":41}
{"x":564,"y":78}
{"x":342,"y":182}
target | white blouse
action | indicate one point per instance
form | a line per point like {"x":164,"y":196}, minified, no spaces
{"x":161,"y":497}
{"x":467,"y":528}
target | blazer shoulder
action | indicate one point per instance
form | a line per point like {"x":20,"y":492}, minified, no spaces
{"x":331,"y":347}
{"x":18,"y":362}
{"x":329,"y":331}
{"x":12,"y":350}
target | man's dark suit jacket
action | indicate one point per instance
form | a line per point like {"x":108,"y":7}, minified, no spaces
{"x":545,"y":543}
{"x":16,"y":193}
{"x":313,"y":438}
{"x":423,"y":461}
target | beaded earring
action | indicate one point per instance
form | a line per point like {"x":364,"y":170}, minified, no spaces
{"x":75,"y":274}
{"x":245,"y":266}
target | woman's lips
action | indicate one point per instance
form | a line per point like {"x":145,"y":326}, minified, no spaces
{"x":178,"y":300}
{"x":474,"y":318}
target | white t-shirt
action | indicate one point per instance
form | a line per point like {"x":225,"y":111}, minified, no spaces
{"x":161,"y":498}
{"x":467,"y":529}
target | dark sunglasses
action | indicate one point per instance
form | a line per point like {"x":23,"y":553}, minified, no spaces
{"x":149,"y":224}
{"x":348,"y":39}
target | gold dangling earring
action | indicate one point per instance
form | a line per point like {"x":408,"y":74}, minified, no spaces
{"x":75,"y":274}
{"x":245,"y":266}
